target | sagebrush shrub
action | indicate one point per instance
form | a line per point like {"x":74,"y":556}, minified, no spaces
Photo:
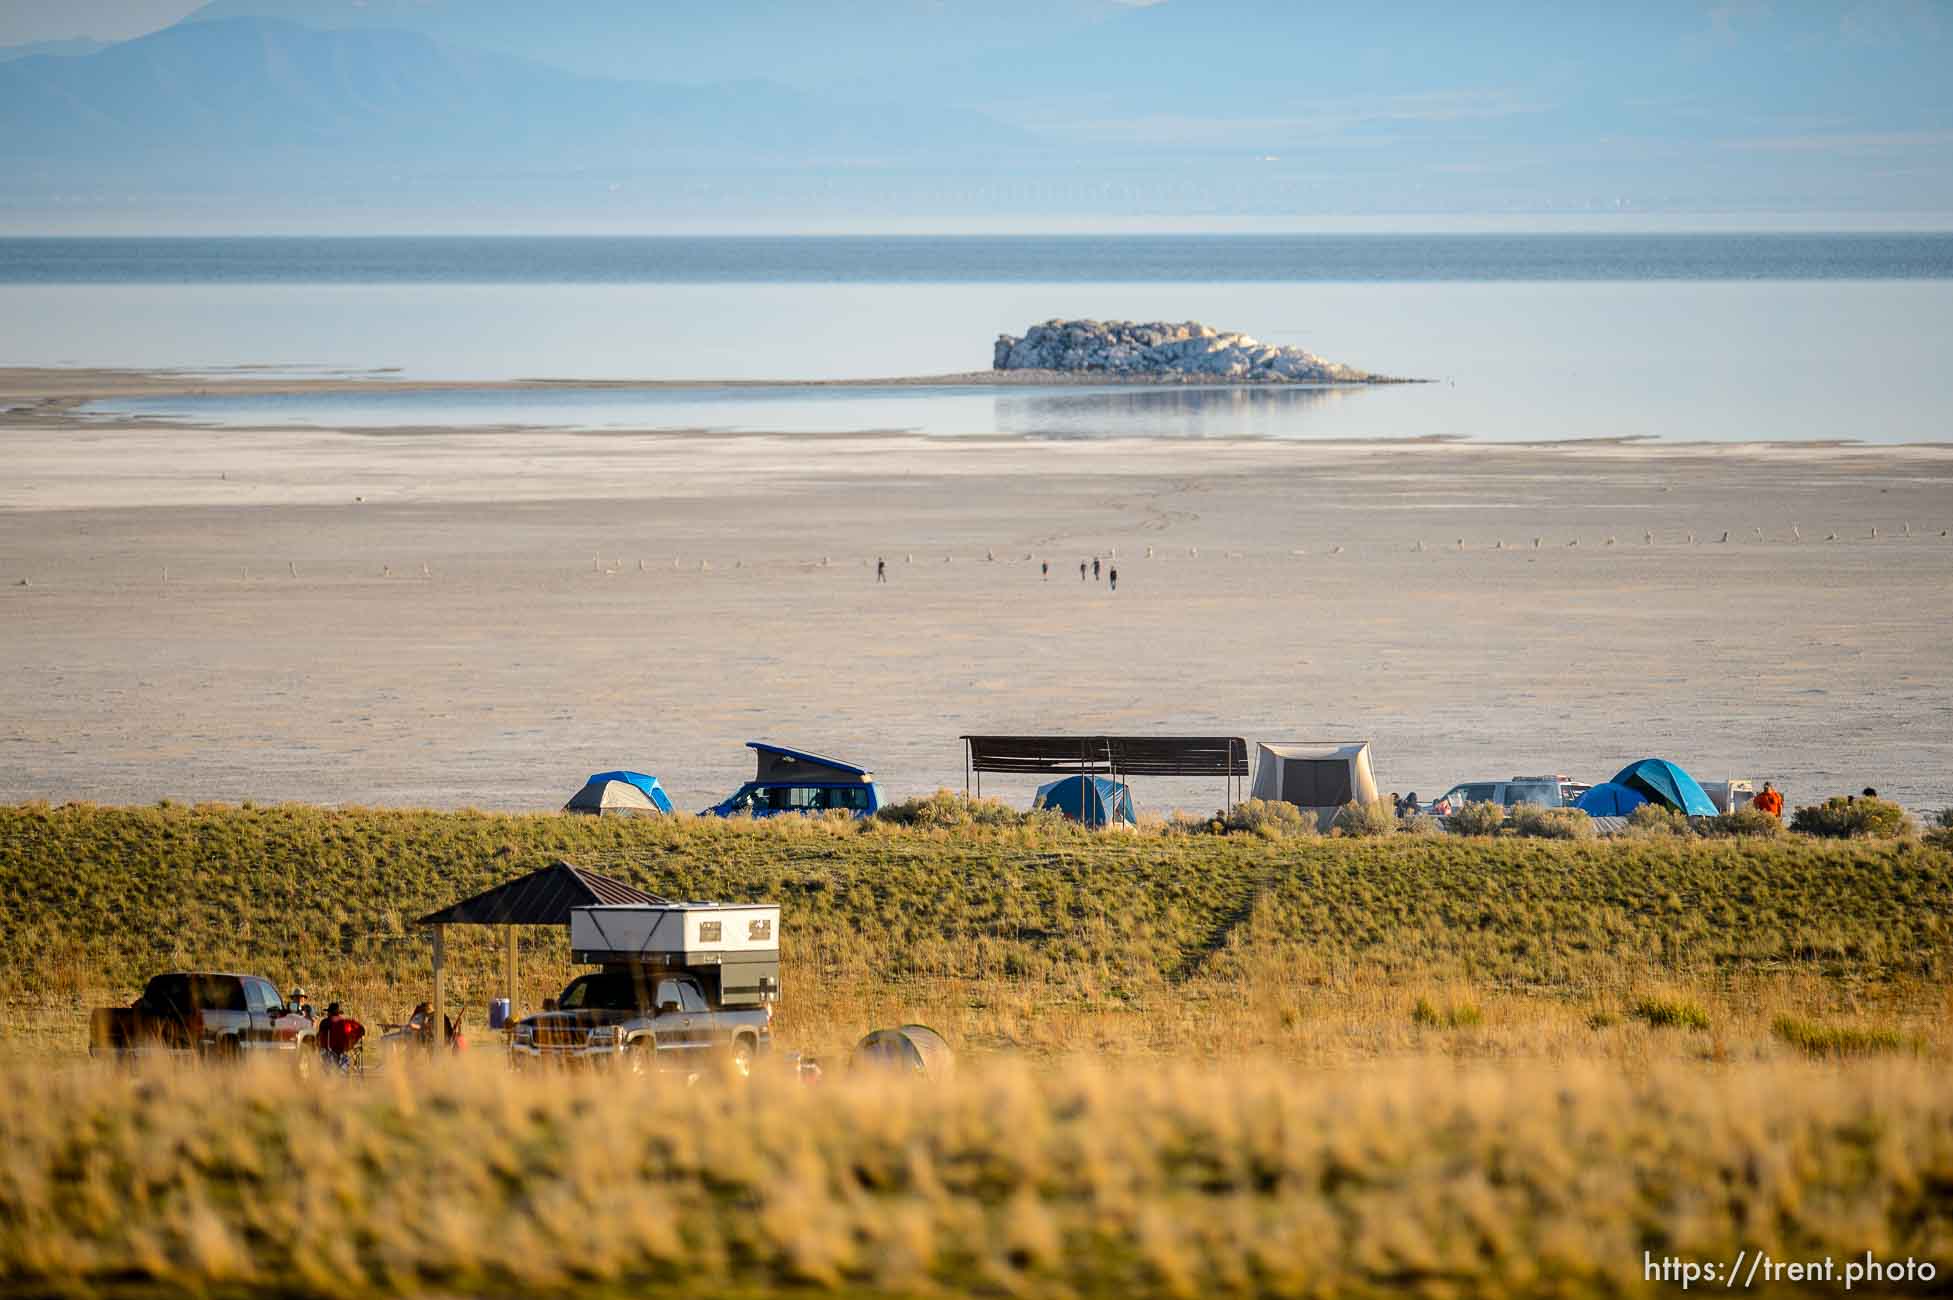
{"x":1552,"y":823}
{"x":1376,"y":817}
{"x":1269,"y":818}
{"x":1453,"y":1015}
{"x":1670,"y":1012}
{"x":948,"y":808}
{"x":1815,"y":1038}
{"x":1844,"y":818}
{"x":1659,"y":819}
{"x":1743,"y":823}
{"x":1477,"y":819}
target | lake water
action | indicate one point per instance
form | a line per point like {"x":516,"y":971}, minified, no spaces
{"x":1717,"y":337}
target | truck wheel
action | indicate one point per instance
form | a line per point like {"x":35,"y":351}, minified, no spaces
{"x":638,"y":1060}
{"x":225,"y":1052}
{"x":740,"y":1059}
{"x":304,"y":1059}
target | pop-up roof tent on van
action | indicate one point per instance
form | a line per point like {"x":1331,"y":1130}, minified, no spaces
{"x":1316,"y":776}
{"x":793,"y":780}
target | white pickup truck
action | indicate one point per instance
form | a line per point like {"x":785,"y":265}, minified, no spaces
{"x":682,"y":987}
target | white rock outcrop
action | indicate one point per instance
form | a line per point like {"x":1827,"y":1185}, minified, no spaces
{"x":1187,"y":351}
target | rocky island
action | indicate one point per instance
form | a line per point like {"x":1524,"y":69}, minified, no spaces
{"x":1184,"y":352}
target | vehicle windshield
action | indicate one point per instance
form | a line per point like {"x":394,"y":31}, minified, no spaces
{"x":610,"y":990}
{"x":1545,"y":795}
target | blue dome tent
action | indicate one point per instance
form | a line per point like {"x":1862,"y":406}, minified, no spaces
{"x":1092,"y":800}
{"x":620,"y":792}
{"x":1610,"y":799}
{"x":1667,"y":784}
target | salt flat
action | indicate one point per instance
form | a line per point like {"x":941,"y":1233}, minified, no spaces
{"x":423,"y":616}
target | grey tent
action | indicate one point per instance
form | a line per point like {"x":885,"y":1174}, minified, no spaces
{"x":1316,"y":776}
{"x":613,"y":793}
{"x":912,"y":1049}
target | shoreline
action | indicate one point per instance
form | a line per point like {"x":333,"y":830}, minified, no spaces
{"x":51,"y":398}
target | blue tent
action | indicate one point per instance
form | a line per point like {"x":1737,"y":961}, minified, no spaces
{"x":620,"y":792}
{"x":1093,"y":800}
{"x":1610,"y":799}
{"x":1666,"y":784}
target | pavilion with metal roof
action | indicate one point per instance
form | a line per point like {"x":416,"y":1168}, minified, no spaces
{"x":1115,"y":756}
{"x":543,"y":897}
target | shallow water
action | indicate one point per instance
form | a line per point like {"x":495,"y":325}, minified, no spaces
{"x":1688,"y":339}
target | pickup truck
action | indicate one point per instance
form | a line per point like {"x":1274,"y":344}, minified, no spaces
{"x":204,"y":1015}
{"x":642,"y":1020}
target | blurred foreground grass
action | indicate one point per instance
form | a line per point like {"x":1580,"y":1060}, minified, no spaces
{"x":1008,"y":1180}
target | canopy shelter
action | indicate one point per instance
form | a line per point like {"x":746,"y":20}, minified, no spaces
{"x":544,"y":897}
{"x":620,"y":793}
{"x":1665,"y":783}
{"x":1115,"y":756}
{"x":1090,"y":800}
{"x":1317,"y":776}
{"x":1610,"y":799}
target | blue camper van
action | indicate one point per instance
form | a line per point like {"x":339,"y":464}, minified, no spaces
{"x":794,"y":781}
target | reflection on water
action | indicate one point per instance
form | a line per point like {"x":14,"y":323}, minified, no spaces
{"x":1070,"y":412}
{"x":1180,"y":412}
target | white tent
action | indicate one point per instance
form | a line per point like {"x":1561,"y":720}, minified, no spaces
{"x":1318,"y":776}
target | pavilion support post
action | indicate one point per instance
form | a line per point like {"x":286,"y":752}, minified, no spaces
{"x":510,"y":972}
{"x":440,"y":988}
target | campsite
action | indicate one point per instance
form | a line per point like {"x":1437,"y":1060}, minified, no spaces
{"x":1326,"y":781}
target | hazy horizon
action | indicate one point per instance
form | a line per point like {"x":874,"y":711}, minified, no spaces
{"x":1091,"y":116}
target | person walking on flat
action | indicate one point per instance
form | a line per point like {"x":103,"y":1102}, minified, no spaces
{"x":1113,"y":575}
{"x":1095,"y":568}
{"x":1081,"y":570}
{"x":1045,"y":568}
{"x":881,"y":569}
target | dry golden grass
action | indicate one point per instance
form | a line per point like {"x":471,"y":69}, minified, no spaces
{"x":1064,"y":1180}
{"x":1199,"y":1063}
{"x":1035,"y":938}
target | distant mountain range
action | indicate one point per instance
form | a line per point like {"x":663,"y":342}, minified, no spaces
{"x":243,"y":95}
{"x":873,"y":108}
{"x":71,"y":46}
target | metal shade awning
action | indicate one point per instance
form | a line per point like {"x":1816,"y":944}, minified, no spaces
{"x":1225,"y":756}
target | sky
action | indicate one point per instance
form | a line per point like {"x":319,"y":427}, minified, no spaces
{"x":977,"y":114}
{"x":22,"y":21}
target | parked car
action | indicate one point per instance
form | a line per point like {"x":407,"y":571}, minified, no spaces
{"x":1543,"y":791}
{"x":204,"y":1015}
{"x":644,"y":1021}
{"x":795,"y":781}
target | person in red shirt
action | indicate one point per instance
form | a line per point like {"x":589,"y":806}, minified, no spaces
{"x":1768,"y":800}
{"x":339,"y":1034}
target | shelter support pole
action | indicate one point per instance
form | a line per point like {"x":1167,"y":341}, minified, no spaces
{"x":510,"y":973}
{"x":440,"y":990}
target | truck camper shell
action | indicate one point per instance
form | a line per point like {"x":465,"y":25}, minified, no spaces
{"x":733,"y":948}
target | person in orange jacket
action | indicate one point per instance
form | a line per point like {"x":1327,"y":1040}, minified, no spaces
{"x":1768,"y":800}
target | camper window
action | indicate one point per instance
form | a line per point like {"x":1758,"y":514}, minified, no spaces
{"x":854,"y":798}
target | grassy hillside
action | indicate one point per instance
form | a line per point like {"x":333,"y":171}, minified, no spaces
{"x":1459,"y":1067}
{"x":1043,"y":938}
